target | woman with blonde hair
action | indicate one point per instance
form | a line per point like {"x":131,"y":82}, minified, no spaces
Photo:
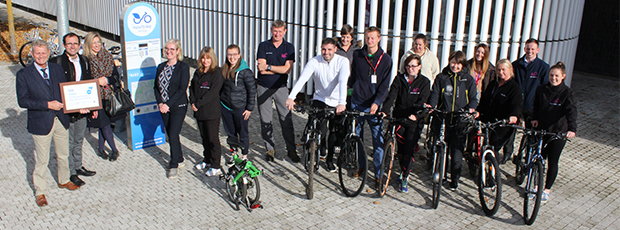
{"x":170,"y":88}
{"x":103,"y":69}
{"x":204,"y":97}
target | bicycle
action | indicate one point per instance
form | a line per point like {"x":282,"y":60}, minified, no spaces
{"x":483,"y":166}
{"x":532,"y":166}
{"x":437,"y":145}
{"x":242,"y":180}
{"x":311,"y":139}
{"x":25,"y":57}
{"x":351,"y":170}
{"x":389,"y":152}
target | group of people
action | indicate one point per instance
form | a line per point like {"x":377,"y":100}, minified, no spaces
{"x":345,"y":76}
{"x":38,"y":90}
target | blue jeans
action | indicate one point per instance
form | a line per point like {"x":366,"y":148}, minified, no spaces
{"x":377,"y":137}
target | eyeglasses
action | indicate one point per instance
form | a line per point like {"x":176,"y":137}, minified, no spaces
{"x":412,"y":66}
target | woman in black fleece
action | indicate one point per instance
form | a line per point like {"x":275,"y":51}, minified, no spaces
{"x":204,"y":95}
{"x":406,"y":99}
{"x":555,"y":111}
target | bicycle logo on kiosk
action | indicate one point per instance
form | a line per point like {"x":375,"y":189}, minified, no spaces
{"x":141,"y":23}
{"x":147,"y":18}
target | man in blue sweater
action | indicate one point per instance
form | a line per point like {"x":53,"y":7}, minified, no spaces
{"x":370,"y":80}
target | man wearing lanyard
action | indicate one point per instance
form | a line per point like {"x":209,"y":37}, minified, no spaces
{"x":370,"y":80}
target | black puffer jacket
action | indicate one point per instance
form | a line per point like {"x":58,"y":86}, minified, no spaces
{"x":239,"y":92}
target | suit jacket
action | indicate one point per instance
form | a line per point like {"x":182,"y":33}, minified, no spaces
{"x":177,"y":88}
{"x":69,"y":70}
{"x":33,"y":93}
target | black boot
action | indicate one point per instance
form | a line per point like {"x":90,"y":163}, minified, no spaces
{"x":506,"y":158}
{"x":113,"y":156}
{"x":102,"y":154}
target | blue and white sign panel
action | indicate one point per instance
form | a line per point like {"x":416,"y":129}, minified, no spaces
{"x":141,"y":39}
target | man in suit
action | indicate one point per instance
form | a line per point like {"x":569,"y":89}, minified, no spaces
{"x":38,"y":90}
{"x":76,"y":68}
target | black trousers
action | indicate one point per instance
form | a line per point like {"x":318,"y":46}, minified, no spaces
{"x":411,"y":136}
{"x":328,"y":136}
{"x":173,"y":123}
{"x":210,"y":133}
{"x":552,"y":154}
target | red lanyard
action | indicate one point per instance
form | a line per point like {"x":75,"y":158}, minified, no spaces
{"x":374,"y":68}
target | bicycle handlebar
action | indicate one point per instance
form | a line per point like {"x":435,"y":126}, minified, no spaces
{"x":539,"y":132}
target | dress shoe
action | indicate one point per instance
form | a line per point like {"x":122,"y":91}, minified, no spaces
{"x":69,"y":185}
{"x":76,"y":180}
{"x":85,"y":172}
{"x":113,"y":156}
{"x":102,"y":154}
{"x":293,"y":155}
{"x":41,"y":201}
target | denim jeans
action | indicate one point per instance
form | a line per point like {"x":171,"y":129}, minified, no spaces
{"x":377,"y":137}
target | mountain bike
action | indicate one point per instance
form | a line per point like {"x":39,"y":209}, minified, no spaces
{"x":532,"y":166}
{"x":437,"y":146}
{"x":483,"y":165}
{"x":242,"y":180}
{"x":389,"y":152}
{"x":351,"y":170}
{"x":311,"y":139}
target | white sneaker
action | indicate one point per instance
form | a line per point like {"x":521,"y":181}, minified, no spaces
{"x":213,"y":172}
{"x":181,"y":165}
{"x":202,"y":165}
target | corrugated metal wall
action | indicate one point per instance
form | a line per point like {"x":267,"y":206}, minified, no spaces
{"x":451,"y":24}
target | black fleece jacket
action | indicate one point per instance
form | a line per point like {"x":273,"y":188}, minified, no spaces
{"x":405,"y":99}
{"x":500,"y":102}
{"x":555,"y":108}
{"x":204,"y":93}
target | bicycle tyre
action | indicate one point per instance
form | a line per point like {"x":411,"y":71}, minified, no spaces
{"x":490,"y":187}
{"x":252,"y":191}
{"x":351,"y":184}
{"x":520,"y":161}
{"x":535,"y":183}
{"x":233,"y":189}
{"x":311,"y":166}
{"x":25,"y":57}
{"x":439,"y":168}
{"x":386,"y":166}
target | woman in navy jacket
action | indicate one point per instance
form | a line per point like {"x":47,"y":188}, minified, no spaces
{"x":555,"y":111}
{"x":170,"y":87}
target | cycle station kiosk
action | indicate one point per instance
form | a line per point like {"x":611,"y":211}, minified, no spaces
{"x":141,"y":40}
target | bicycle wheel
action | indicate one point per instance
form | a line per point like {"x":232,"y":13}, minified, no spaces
{"x":25,"y":57}
{"x":234,"y":189}
{"x":520,"y":160}
{"x":386,"y":166}
{"x":310,"y":167}
{"x":439,"y":168}
{"x":490,"y":187}
{"x":252,"y":191}
{"x":533,"y":193}
{"x":352,"y":175}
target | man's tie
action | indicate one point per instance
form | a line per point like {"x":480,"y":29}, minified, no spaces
{"x":45,"y":76}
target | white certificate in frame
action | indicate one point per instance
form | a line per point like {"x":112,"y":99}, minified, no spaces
{"x":78,"y":95}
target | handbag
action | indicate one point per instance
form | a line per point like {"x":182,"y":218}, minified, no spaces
{"x":120,"y":102}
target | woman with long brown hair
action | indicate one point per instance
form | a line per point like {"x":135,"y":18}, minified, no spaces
{"x":481,"y":69}
{"x":204,"y":96}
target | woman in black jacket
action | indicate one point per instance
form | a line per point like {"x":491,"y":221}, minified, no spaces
{"x":406,"y":99}
{"x":170,"y":89}
{"x":204,"y":96}
{"x":555,"y":111}
{"x":454,"y":89}
{"x":502,"y":99}
{"x":237,"y":98}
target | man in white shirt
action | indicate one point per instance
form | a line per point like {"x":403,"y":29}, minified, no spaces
{"x":330,"y":73}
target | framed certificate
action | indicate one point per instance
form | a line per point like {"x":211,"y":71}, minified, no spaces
{"x":78,"y":95}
